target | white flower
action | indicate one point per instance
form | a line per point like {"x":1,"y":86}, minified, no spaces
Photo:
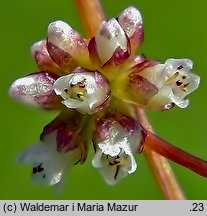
{"x":114,"y":154}
{"x":174,"y":80}
{"x":84,"y":91}
{"x":49,"y":165}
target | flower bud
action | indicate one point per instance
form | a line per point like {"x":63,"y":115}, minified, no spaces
{"x":111,"y":42}
{"x":62,"y":36}
{"x":68,"y":126}
{"x":42,"y":57}
{"x":36,"y":89}
{"x":131,"y":22}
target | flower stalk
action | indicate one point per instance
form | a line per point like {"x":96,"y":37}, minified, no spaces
{"x":159,"y":165}
{"x":92,"y":18}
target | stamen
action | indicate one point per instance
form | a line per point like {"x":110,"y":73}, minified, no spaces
{"x":37,"y":169}
{"x":180,"y":67}
{"x":184,"y":87}
{"x":172,"y":78}
{"x":178,"y":83}
{"x":40,"y":168}
{"x":117,"y":172}
{"x":113,"y":160}
{"x":34,"y":170}
{"x":66,"y":91}
{"x":184,"y":77}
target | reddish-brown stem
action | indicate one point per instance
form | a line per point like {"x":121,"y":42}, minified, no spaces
{"x":159,"y":164}
{"x":91,"y":15}
{"x":176,"y":154}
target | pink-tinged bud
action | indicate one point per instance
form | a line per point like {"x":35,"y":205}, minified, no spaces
{"x":134,"y":88}
{"x":68,"y":127}
{"x":141,"y":63}
{"x":174,"y":80}
{"x":49,"y":165}
{"x":60,"y":57}
{"x":94,"y":58}
{"x":131,"y":22}
{"x":139,"y":89}
{"x":36,"y":89}
{"x":116,"y":138}
{"x":111,"y":43}
{"x":41,"y":56}
{"x":87,"y":92}
{"x":62,"y":36}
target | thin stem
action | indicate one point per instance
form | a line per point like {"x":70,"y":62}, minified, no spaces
{"x":91,"y":15}
{"x":176,"y":154}
{"x":159,"y":165}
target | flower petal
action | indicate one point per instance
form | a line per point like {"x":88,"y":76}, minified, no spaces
{"x":94,"y":58}
{"x":37,"y":90}
{"x":61,"y":35}
{"x":131,"y":22}
{"x":86,"y":92}
{"x":42,"y":57}
{"x":111,"y":39}
{"x":111,"y":172}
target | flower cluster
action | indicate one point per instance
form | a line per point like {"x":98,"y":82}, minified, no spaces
{"x":96,"y":84}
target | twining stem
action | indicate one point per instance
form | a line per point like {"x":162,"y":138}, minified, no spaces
{"x":91,"y":15}
{"x":159,"y":164}
{"x":176,"y":154}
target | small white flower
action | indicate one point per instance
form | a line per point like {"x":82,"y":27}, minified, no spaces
{"x":174,"y":80}
{"x":82,"y":91}
{"x":49,"y":165}
{"x":114,"y":155}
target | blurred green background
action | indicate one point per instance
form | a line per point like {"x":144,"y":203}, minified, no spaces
{"x":172,"y":29}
